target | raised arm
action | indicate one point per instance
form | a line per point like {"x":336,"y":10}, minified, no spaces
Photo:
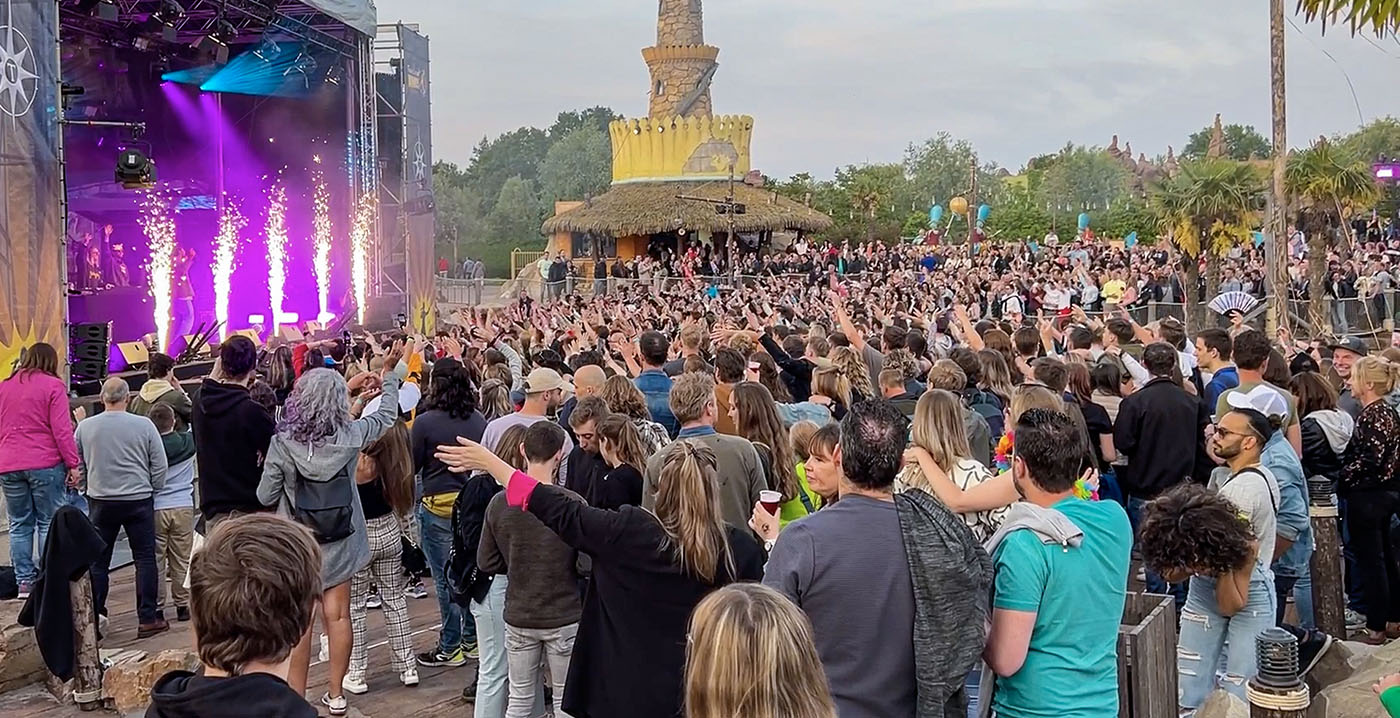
{"x":992,"y":494}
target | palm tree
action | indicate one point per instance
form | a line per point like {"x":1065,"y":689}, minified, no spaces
{"x":1209,"y":206}
{"x":1329,"y":185}
{"x":1379,"y":16}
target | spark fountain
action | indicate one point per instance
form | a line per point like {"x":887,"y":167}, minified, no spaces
{"x":321,"y":224}
{"x":277,"y":252}
{"x":359,"y":252}
{"x":158,"y":222}
{"x":231,"y":223}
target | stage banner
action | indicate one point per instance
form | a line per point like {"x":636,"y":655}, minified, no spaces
{"x":31,"y":223}
{"x":418,"y":181}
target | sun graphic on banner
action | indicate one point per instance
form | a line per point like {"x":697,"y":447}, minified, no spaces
{"x":16,"y":69}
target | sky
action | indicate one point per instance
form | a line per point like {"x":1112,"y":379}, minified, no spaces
{"x":838,"y":82}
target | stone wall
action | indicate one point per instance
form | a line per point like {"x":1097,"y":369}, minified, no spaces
{"x":676,"y":80}
{"x":680,"y":22}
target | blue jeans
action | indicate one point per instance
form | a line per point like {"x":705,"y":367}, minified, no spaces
{"x":1301,"y":589}
{"x":492,"y":687}
{"x":457,"y":627}
{"x":31,"y":498}
{"x":1155,"y":583}
{"x":1205,"y":634}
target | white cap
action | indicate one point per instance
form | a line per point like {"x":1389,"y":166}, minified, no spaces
{"x":1263,"y":399}
{"x":409,"y":394}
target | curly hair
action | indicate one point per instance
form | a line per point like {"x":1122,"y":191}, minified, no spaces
{"x":318,"y":407}
{"x":848,"y":361}
{"x":1193,"y":529}
{"x":623,"y":397}
{"x":450,"y":390}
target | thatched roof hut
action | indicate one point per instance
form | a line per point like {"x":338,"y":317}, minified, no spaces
{"x":645,"y":208}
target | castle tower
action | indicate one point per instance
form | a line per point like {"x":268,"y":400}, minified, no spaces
{"x":682,"y":65}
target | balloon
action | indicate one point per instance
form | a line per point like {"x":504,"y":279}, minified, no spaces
{"x":982,"y":213}
{"x":935,"y":215}
{"x":1258,"y":239}
{"x":958,"y":205}
{"x":1130,"y":241}
{"x":1083,"y":221}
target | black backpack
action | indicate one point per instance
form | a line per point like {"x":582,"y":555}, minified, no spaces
{"x":327,"y":507}
{"x":989,"y":407}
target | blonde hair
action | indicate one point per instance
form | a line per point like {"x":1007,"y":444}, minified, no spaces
{"x":687,"y":505}
{"x":801,"y":435}
{"x":750,"y":653}
{"x":832,"y":383}
{"x":1032,"y":396}
{"x":618,"y":431}
{"x":690,"y":393}
{"x":1377,"y":373}
{"x":939,"y":430}
{"x":849,"y":362}
{"x":623,"y":397}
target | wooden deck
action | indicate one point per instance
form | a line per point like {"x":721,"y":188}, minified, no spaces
{"x":438,"y":693}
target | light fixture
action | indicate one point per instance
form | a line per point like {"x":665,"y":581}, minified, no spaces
{"x":135,"y":170}
{"x":104,"y":9}
{"x":267,"y":49}
{"x":335,"y":74}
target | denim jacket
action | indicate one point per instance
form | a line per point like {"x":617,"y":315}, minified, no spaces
{"x":656,"y":387}
{"x":1293,"y":520}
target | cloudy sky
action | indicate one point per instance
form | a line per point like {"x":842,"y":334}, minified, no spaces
{"x":836,"y":82}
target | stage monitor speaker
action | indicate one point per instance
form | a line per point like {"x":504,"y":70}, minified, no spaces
{"x":290,"y":333}
{"x":251,"y":334}
{"x":88,"y":348}
{"x":135,"y":354}
{"x":312,"y":327}
{"x":206,"y":349}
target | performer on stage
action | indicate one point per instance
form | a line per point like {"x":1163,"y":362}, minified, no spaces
{"x":182,"y":300}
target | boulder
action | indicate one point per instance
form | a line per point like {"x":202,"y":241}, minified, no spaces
{"x":127,"y":684}
{"x":1352,"y":695}
{"x":20,"y":662}
{"x":1221,"y":704}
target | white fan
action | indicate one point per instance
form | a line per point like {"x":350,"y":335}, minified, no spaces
{"x":1237,"y":301}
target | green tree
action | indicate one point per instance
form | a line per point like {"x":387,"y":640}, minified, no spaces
{"x":871,"y":198}
{"x":1330,"y":185}
{"x":515,"y":219}
{"x":514,"y":154}
{"x":459,"y":219}
{"x":1082,"y":179}
{"x":1018,"y":217}
{"x":596,"y":117}
{"x":1241,"y":143}
{"x":1380,"y":137}
{"x":577,"y":166}
{"x":939,"y":169}
{"x":1206,"y":208}
{"x":1379,"y":16}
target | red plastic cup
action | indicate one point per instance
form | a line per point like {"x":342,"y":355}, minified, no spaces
{"x":770,"y":500}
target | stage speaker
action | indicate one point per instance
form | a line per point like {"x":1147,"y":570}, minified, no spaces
{"x":135,"y":354}
{"x":251,"y":334}
{"x":88,"y":347}
{"x":290,"y":333}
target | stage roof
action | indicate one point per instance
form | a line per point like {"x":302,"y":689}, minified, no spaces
{"x":359,"y":14}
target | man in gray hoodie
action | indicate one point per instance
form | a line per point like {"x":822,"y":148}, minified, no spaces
{"x":123,"y":459}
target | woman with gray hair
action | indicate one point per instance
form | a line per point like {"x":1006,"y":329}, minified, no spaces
{"x":309,"y":473}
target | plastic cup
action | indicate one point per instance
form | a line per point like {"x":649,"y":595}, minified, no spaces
{"x":770,"y":500}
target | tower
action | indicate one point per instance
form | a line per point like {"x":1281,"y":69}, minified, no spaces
{"x":681,"y":64}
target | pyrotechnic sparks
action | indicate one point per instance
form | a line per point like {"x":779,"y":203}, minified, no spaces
{"x":323,"y":230}
{"x":276,"y":251}
{"x":158,"y":222}
{"x":231,"y":223}
{"x":359,"y":251}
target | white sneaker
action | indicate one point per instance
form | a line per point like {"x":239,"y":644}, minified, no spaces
{"x":354,"y":684}
{"x":337,"y":706}
{"x":408,"y":677}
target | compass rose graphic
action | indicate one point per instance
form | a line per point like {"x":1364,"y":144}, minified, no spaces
{"x":18,"y":76}
{"x":420,"y":163}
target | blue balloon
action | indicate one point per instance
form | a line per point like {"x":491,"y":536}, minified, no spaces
{"x":982,"y":213}
{"x":935,"y":215}
{"x":1130,"y":240}
{"x":1083,"y":221}
{"x":1258,"y":239}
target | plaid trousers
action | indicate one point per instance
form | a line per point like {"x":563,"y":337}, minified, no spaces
{"x":385,"y":573}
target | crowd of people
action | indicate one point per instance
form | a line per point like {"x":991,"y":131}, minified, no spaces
{"x":870,"y":482}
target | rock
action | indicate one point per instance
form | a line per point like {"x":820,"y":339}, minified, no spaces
{"x":1335,"y":666}
{"x":127,"y":684}
{"x":1352,"y":695}
{"x":1221,"y":704}
{"x":20,"y":662}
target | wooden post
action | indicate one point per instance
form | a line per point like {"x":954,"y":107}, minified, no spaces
{"x":1329,"y":607}
{"x":87,"y":676}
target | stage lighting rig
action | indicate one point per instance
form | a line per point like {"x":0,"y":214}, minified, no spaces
{"x":103,"y":9}
{"x":217,"y":41}
{"x":267,"y":49}
{"x":135,"y":170}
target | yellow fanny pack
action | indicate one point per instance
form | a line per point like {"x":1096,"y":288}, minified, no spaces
{"x":440,"y":505}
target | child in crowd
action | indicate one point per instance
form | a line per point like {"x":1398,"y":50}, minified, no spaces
{"x":174,"y":507}
{"x":253,"y":587}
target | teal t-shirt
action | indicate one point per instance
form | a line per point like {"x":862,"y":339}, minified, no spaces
{"x":1077,"y":594}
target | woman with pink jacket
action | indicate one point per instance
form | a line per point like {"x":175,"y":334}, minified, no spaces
{"x":37,"y":453}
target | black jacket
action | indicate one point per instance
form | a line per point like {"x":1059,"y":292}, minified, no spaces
{"x":1318,"y":457}
{"x":181,"y":694}
{"x":73,"y":546}
{"x":232,"y":432}
{"x":796,"y":373}
{"x":1161,"y":429}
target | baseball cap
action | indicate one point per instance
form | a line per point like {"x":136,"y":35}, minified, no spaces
{"x":542,"y":380}
{"x":1351,"y":344}
{"x":409,"y":394}
{"x":1262,"y":399}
